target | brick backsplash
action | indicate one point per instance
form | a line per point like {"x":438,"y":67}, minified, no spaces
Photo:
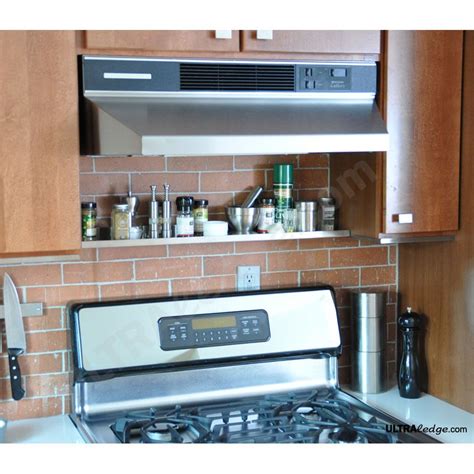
{"x":345,"y":263}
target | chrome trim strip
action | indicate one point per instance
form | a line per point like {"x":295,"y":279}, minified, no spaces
{"x":126,"y":75}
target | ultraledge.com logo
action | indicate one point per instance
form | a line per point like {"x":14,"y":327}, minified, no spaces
{"x":437,"y":430}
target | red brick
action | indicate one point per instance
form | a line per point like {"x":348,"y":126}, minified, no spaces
{"x":182,"y":182}
{"x":344,"y":317}
{"x":155,"y":269}
{"x":349,"y":277}
{"x":47,"y":341}
{"x":346,"y":357}
{"x":309,"y":244}
{"x":132,"y":164}
{"x":200,"y":163}
{"x":203,"y":285}
{"x":313,"y":160}
{"x":309,"y":194}
{"x":232,"y":181}
{"x":359,"y":257}
{"x":228,"y":265}
{"x":200,"y":249}
{"x":391,"y":332}
{"x":132,"y":253}
{"x":27,"y":275}
{"x":307,"y":260}
{"x":263,"y":161}
{"x":51,"y":319}
{"x":31,"y":408}
{"x":344,"y":374}
{"x":104,"y":183}
{"x":343,"y":297}
{"x":61,"y":295}
{"x":44,"y":385}
{"x":97,"y":272}
{"x":34,"y":364}
{"x":378,"y":275}
{"x":266,"y":246}
{"x":279,"y":280}
{"x":88,"y":255}
{"x":135,"y":289}
{"x":393,"y":254}
{"x":5,"y":389}
{"x":86,"y":164}
{"x":391,"y":313}
{"x":311,"y":178}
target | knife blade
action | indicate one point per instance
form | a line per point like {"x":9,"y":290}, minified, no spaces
{"x":16,"y":341}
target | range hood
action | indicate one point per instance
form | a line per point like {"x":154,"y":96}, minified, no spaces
{"x":148,"y":106}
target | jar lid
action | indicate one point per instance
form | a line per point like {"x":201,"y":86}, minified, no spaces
{"x":267,"y":201}
{"x":121,"y":207}
{"x":201,"y":202}
{"x":328,"y":200}
{"x":88,"y":205}
{"x":283,"y":174}
{"x":184,"y":202}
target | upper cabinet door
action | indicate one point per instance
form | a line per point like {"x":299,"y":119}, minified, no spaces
{"x":164,"y":41}
{"x":39,"y":144}
{"x":311,"y":42}
{"x":423,"y":104}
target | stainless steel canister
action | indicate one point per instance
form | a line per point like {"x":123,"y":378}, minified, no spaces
{"x":306,"y":216}
{"x":368,"y":342}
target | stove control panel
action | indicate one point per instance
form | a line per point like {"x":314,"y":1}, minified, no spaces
{"x":216,"y":329}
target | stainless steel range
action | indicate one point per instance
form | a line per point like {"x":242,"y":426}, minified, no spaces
{"x":253,"y":367}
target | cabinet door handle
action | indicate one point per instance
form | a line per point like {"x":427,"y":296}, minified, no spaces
{"x":403,"y":218}
{"x":264,"y":34}
{"x":223,"y":34}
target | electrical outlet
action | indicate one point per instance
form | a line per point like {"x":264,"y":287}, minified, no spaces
{"x":248,"y":278}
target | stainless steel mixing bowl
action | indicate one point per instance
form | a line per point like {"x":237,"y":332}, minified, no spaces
{"x":243,"y":220}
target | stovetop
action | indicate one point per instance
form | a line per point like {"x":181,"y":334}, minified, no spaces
{"x":320,"y":416}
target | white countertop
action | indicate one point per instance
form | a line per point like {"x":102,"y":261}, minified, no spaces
{"x":426,"y":410}
{"x":53,"y":429}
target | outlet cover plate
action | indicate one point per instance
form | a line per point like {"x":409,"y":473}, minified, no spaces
{"x":248,"y":278}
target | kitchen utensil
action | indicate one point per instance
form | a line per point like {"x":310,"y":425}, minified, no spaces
{"x":243,"y":220}
{"x":16,"y":341}
{"x":136,"y":232}
{"x":133,"y":202}
{"x":306,"y":216}
{"x":153,"y":214}
{"x":166,"y":228}
{"x":215,"y":228}
{"x":3,"y":430}
{"x":252,"y":197}
{"x":368,"y":342}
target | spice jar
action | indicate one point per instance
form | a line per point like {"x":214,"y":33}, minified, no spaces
{"x":184,"y":218}
{"x":266,"y":216}
{"x":89,"y":220}
{"x":201,"y":215}
{"x":121,"y":222}
{"x":327,"y":214}
{"x":282,"y":189}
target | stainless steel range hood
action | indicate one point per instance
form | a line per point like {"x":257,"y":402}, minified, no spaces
{"x":137,"y":106}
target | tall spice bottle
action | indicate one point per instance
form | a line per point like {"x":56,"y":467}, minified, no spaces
{"x":282,"y":189}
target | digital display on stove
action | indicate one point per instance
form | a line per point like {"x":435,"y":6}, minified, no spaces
{"x":214,"y":323}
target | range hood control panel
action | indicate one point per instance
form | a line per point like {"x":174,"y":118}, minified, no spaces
{"x":217,"y":329}
{"x":324,"y":78}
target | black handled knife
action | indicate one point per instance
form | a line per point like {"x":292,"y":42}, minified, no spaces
{"x":16,"y":341}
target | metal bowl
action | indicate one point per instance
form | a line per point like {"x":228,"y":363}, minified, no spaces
{"x":242,"y":219}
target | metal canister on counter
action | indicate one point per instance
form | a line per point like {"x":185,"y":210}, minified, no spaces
{"x":266,"y":216}
{"x":327,"y":214}
{"x":201,"y":215}
{"x":121,"y":222}
{"x":306,"y":216}
{"x":89,"y":220}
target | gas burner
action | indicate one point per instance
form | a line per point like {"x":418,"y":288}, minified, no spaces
{"x":347,"y":435}
{"x":169,"y":430}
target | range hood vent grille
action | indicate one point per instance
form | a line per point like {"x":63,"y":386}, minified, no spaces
{"x":236,"y":77}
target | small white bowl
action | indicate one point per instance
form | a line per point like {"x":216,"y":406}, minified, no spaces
{"x":215,"y":228}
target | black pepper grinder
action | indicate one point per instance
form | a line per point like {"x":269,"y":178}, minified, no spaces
{"x":409,"y":375}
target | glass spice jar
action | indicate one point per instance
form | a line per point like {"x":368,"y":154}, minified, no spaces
{"x":201,"y":215}
{"x":266,"y":216}
{"x":184,"y":218}
{"x":89,"y":221}
{"x":121,"y":222}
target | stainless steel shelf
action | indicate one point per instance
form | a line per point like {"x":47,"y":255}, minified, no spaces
{"x":212,"y":240}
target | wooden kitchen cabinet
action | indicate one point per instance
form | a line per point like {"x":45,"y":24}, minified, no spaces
{"x":39,"y":144}
{"x":423,"y":113}
{"x":319,"y":42}
{"x":418,"y":178}
{"x":162,"y":41}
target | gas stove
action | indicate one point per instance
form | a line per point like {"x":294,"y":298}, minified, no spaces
{"x":253,"y":367}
